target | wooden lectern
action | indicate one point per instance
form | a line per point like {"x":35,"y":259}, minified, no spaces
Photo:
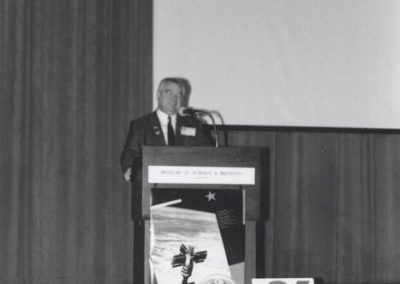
{"x":248,"y":172}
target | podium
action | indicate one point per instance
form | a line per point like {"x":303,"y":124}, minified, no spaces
{"x":241,"y":171}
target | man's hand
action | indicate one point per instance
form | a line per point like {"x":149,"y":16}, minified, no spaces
{"x":127,"y":174}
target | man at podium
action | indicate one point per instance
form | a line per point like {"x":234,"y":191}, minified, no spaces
{"x":164,"y":126}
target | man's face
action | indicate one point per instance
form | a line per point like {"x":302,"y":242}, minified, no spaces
{"x":170,"y":98}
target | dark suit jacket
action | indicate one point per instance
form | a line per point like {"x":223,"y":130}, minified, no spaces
{"x":147,"y":130}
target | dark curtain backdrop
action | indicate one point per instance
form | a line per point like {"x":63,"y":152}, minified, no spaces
{"x":333,"y":204}
{"x":73,"y":73}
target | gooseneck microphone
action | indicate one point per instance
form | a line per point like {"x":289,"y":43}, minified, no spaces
{"x":197,"y":113}
{"x":186,"y":111}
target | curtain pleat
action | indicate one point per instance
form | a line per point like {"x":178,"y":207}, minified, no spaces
{"x":305,"y":200}
{"x":385,"y":187}
{"x":356,"y":209}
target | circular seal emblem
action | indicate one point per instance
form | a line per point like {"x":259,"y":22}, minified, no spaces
{"x":217,"y":279}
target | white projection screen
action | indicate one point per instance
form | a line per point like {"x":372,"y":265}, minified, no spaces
{"x":309,"y":63}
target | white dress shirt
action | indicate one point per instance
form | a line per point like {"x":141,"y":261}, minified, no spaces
{"x":163,"y":118}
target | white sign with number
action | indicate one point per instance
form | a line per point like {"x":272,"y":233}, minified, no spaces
{"x":283,"y":281}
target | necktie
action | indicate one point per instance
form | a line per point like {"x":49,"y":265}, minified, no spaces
{"x":171,"y":134}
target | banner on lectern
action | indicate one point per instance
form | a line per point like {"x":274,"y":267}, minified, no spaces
{"x":197,"y":236}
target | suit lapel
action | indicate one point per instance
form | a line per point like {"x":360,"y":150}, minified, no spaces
{"x":156,"y":135}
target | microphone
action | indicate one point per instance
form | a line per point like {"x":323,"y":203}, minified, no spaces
{"x":186,"y":111}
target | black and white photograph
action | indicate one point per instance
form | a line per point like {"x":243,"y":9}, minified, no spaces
{"x":199,"y":141}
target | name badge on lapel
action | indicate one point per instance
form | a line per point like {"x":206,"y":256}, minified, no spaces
{"x":188,"y":131}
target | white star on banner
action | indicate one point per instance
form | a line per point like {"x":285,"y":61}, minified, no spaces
{"x":210,"y":196}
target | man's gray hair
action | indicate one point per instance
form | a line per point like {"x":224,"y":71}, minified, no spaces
{"x":181,"y":82}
